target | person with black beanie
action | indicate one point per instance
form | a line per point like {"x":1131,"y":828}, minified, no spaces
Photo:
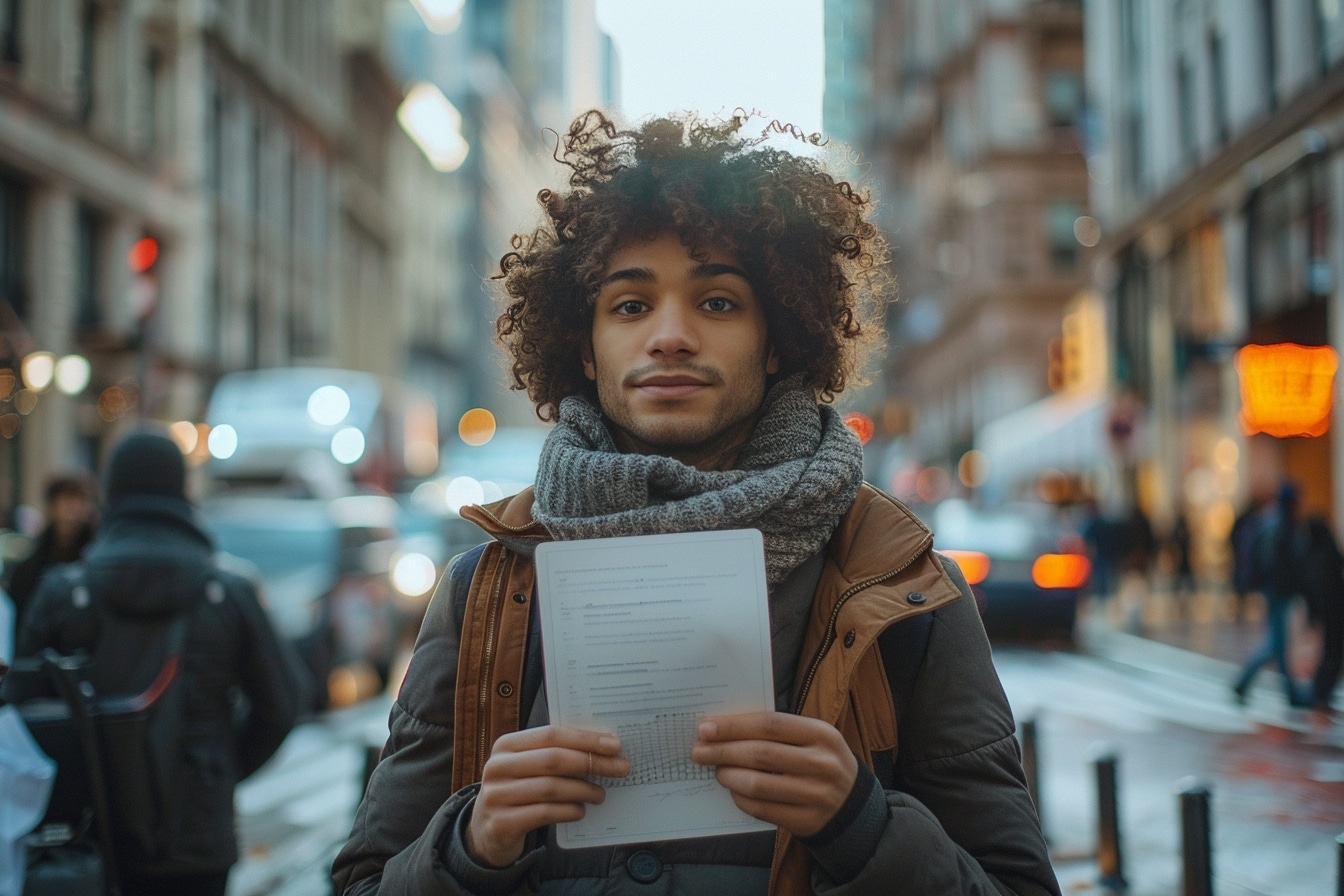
{"x":150,"y":564}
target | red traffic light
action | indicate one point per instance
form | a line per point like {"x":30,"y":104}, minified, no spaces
{"x":143,"y":254}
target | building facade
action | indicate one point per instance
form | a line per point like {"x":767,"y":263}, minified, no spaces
{"x":974,"y":137}
{"x":187,"y":189}
{"x":1218,"y":179}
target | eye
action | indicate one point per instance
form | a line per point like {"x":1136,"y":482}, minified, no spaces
{"x":630,"y":306}
{"x":719,"y":304}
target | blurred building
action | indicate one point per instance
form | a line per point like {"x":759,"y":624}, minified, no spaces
{"x":186,"y":189}
{"x":508,"y":72}
{"x":1218,"y":179}
{"x":970,"y":115}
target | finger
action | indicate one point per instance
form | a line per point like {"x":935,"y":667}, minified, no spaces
{"x":555,"y":761}
{"x":602,"y":743}
{"x":788,"y":790}
{"x":768,"y":756}
{"x":797,"y":820}
{"x":780,"y":727}
{"x":540,"y":790}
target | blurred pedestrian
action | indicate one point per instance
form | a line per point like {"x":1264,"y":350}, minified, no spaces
{"x":1323,"y":589}
{"x":1183,"y":585}
{"x":1101,"y":536}
{"x":71,"y":506}
{"x":150,"y":564}
{"x":1278,"y":558}
{"x":1242,"y":544}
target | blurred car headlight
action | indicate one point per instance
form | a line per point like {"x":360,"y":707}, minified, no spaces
{"x":413,"y":573}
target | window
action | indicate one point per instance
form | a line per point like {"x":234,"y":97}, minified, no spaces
{"x":88,"y":49}
{"x":11,"y":247}
{"x":1064,"y":246}
{"x":88,"y":233}
{"x":1287,"y":224}
{"x":1218,"y":83}
{"x":1185,"y":111}
{"x":1269,"y":51}
{"x":9,"y":31}
{"x":1064,"y":98}
{"x":149,"y":98}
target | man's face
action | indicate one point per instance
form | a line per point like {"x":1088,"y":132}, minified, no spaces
{"x":680,"y":352}
{"x":68,"y":513}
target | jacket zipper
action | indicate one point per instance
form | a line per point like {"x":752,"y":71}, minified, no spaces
{"x":829,"y":637}
{"x":487,"y":666}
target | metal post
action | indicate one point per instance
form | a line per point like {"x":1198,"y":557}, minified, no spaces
{"x":1031,"y":766}
{"x":1339,"y":869}
{"x":1110,"y":862}
{"x":1196,"y":838}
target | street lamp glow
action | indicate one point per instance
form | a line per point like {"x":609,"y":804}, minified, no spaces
{"x":72,"y":374}
{"x":347,"y":446}
{"x":222,"y":441}
{"x":328,"y":405}
{"x":435,"y":125}
{"x":38,"y":370}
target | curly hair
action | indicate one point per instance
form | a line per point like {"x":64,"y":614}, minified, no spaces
{"x":812,"y":256}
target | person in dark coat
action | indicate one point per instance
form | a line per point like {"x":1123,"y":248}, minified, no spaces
{"x":1323,"y":589}
{"x":71,"y":507}
{"x":150,"y":562}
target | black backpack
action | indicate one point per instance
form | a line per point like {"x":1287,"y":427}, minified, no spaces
{"x":117,"y":755}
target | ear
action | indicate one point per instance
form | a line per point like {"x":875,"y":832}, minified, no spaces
{"x":772,"y":363}
{"x":589,"y":368}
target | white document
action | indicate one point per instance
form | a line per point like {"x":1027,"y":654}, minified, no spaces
{"x":641,"y":637}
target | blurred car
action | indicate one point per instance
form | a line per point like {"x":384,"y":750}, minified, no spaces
{"x":341,"y":581}
{"x":1026,"y":568}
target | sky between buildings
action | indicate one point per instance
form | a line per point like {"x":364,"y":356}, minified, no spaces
{"x":712,"y":56}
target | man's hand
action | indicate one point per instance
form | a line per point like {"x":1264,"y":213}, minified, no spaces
{"x":533,"y":778}
{"x":789,"y":770}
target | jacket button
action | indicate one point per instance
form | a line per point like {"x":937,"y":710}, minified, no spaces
{"x":916,"y":597}
{"x":520,"y":598}
{"x":644,"y":867}
{"x":849,"y":638}
{"x":505,"y":689}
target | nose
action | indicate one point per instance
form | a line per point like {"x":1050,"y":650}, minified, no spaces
{"x":672,"y":331}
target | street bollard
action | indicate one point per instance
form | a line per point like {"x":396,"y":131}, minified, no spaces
{"x":1031,"y":767}
{"x":1196,"y":838}
{"x":1339,"y":871}
{"x":1110,"y":862}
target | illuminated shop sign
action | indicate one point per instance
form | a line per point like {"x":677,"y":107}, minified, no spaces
{"x":1286,"y":389}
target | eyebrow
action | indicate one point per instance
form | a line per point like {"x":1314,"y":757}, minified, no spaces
{"x":702,"y":271}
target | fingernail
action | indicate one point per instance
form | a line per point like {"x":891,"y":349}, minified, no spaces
{"x":708,"y":729}
{"x":609,"y":742}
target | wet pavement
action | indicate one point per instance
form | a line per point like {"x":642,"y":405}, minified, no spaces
{"x":1148,"y":684}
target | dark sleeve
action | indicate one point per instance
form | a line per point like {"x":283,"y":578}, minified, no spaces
{"x":961,"y":819}
{"x":409,"y":810}
{"x":270,"y":675}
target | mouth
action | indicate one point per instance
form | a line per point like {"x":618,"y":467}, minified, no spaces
{"x":670,"y":385}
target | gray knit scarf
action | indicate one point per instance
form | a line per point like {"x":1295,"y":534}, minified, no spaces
{"x":795,"y":478}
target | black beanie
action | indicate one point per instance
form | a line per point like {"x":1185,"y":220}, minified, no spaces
{"x":145,"y":464}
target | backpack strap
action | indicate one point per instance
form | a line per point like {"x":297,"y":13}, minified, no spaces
{"x":496,"y":620}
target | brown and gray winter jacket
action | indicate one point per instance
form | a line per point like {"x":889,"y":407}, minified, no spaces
{"x":950,"y":812}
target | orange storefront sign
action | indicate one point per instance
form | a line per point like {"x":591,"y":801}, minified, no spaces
{"x":1286,"y":389}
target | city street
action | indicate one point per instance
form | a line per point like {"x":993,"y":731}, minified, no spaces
{"x":1276,"y":776}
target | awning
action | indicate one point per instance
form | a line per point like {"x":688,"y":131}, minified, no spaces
{"x":1062,"y":432}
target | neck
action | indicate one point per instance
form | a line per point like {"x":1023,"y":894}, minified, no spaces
{"x":719,"y":454}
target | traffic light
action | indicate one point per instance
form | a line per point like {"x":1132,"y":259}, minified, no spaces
{"x":143,"y":260}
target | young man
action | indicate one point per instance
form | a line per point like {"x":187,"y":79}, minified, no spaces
{"x":684,"y":314}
